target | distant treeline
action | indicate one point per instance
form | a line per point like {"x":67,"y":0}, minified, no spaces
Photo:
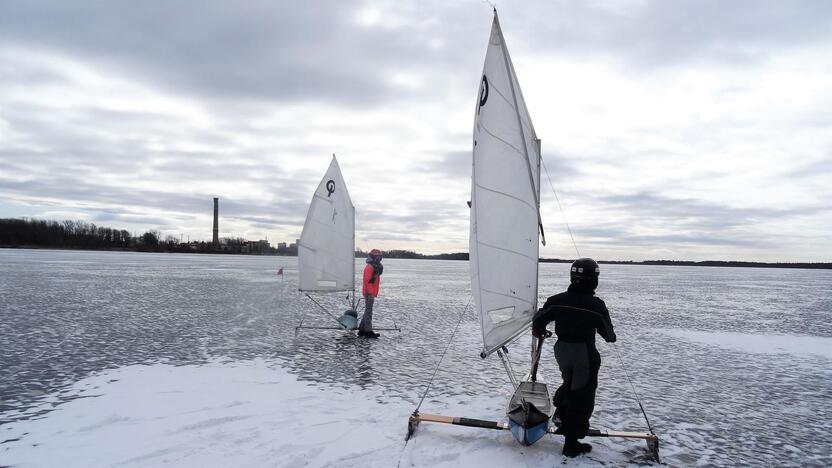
{"x":414,"y":255}
{"x":83,"y":235}
{"x":716,"y":263}
{"x":79,"y":234}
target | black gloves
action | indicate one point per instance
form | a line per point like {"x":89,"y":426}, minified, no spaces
{"x":537,"y":333}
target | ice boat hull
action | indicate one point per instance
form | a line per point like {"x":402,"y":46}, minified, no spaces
{"x":349,"y":320}
{"x":529,"y":412}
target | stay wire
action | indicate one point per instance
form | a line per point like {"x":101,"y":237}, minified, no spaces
{"x":323,"y":309}
{"x":562,"y":213}
{"x":635,"y":393}
{"x":574,"y":244}
{"x":448,"y":345}
{"x":430,"y":382}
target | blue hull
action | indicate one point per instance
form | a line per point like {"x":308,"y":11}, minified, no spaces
{"x":529,"y":412}
{"x":349,"y":320}
{"x":528,"y":436}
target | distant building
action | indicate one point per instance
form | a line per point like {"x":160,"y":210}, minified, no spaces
{"x":216,"y":222}
{"x":253,"y":247}
{"x":281,"y":246}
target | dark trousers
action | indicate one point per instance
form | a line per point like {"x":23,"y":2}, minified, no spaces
{"x":575,"y":399}
{"x":367,"y":319}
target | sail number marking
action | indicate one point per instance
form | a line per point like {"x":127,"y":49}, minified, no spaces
{"x":483,"y":92}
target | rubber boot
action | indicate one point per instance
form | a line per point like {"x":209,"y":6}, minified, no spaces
{"x":572,"y":448}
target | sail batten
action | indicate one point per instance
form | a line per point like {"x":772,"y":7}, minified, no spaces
{"x":326,"y":249}
{"x":505,"y":217}
{"x":506,"y":194}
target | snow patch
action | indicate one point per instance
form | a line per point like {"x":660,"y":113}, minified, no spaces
{"x":759,"y":344}
{"x":254,"y":413}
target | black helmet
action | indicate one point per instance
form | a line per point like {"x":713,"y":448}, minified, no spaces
{"x":584,"y":273}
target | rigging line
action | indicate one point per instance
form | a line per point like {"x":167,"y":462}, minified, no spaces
{"x":635,"y":393}
{"x":324,"y":309}
{"x":430,"y":382}
{"x":562,"y":213}
{"x":450,"y":340}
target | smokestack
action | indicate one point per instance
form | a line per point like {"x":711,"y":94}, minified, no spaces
{"x":216,"y":222}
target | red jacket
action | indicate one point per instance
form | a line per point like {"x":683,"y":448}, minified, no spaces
{"x":370,"y":288}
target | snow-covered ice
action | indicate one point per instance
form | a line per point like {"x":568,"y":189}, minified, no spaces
{"x":759,"y":343}
{"x":194,"y":359}
{"x":254,"y":413}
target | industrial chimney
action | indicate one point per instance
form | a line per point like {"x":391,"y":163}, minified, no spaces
{"x":216,"y":222}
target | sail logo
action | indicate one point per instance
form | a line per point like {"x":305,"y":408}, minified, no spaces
{"x":483,"y":92}
{"x":330,"y":187}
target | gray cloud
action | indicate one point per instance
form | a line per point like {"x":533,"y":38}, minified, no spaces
{"x":660,"y":33}
{"x":287,"y":51}
{"x":239,"y":62}
{"x":697,"y":212}
{"x":621,"y":236}
{"x":821,"y":168}
{"x":559,"y":167}
{"x":289,"y":212}
{"x":118,"y":217}
{"x":683,"y":223}
{"x":316,"y":51}
{"x":389,"y":236}
{"x":450,"y":165}
{"x":456,"y":165}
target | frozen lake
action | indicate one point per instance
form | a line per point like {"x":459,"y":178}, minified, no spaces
{"x":733,"y":365}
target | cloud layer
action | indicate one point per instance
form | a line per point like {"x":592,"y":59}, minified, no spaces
{"x":687,"y":129}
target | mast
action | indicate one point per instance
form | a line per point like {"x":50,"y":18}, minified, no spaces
{"x":354,"y":303}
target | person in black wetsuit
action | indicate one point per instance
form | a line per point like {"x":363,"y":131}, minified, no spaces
{"x":578,"y":314}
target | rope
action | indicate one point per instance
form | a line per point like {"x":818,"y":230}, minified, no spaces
{"x":620,"y":360}
{"x":635,"y":393}
{"x":430,"y":382}
{"x":562,"y":213}
{"x":324,"y":309}
{"x":450,"y":340}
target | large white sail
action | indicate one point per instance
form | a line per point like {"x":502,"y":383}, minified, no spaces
{"x":505,"y":188}
{"x":326,"y":252}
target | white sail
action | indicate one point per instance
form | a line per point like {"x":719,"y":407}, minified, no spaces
{"x":505,"y":188}
{"x":326,"y":251}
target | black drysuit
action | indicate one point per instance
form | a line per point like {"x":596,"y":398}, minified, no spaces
{"x":577,"y":314}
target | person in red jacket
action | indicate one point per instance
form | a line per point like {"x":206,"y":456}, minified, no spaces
{"x":371,"y":285}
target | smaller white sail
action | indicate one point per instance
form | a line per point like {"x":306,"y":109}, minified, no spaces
{"x":326,"y":251}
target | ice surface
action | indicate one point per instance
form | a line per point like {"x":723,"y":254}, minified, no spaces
{"x":688,"y":339}
{"x":254,"y":413}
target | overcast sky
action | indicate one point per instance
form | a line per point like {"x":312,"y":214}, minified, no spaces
{"x":670,"y":129}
